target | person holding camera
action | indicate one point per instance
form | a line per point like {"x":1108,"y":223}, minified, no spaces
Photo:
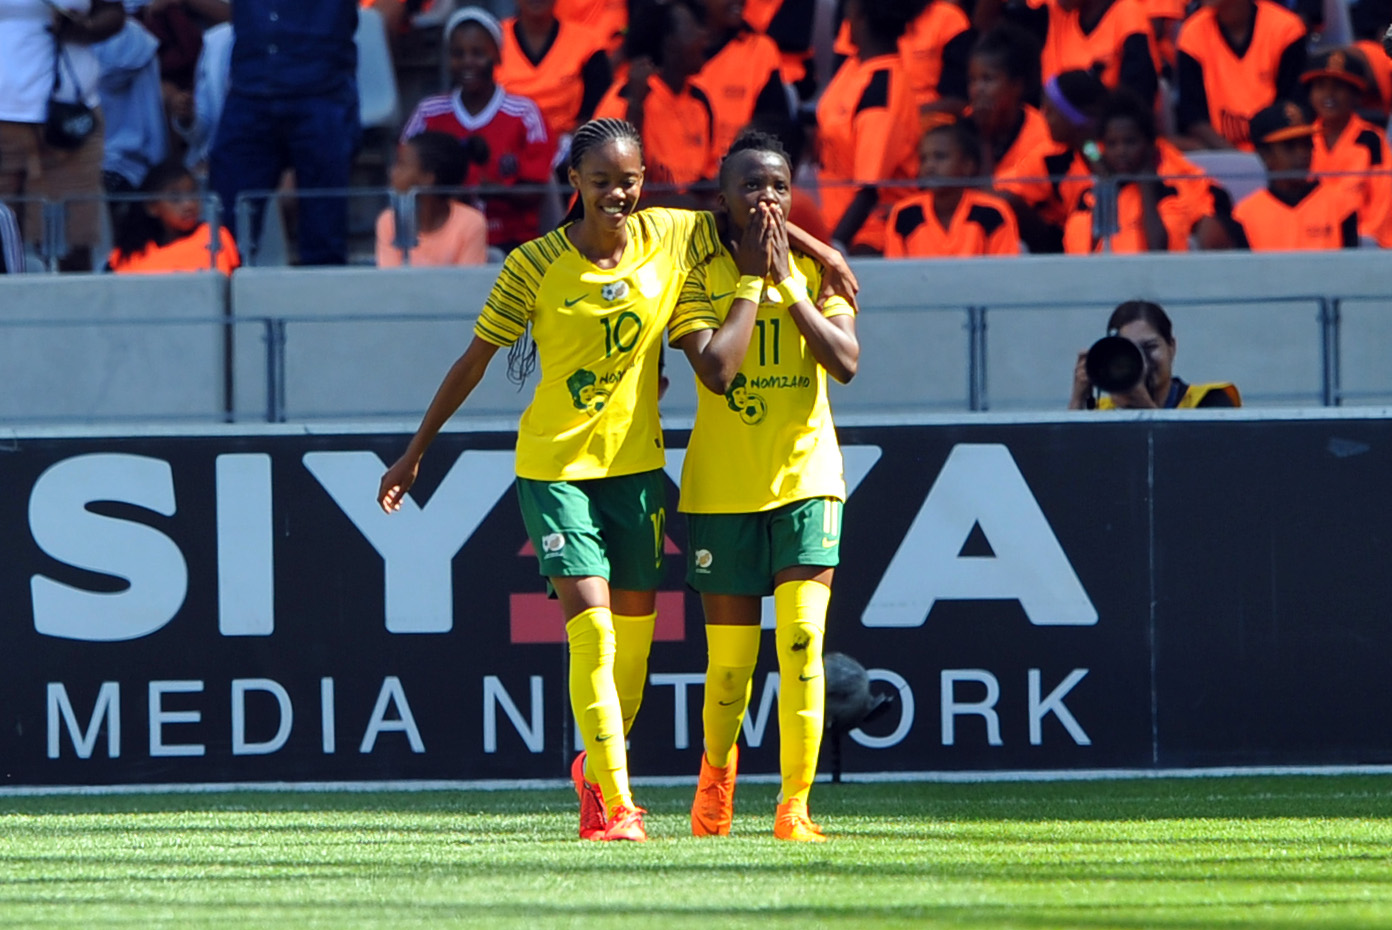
{"x":1132,"y":367}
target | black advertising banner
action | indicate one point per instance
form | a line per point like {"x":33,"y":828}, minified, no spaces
{"x":1035,"y":596}
{"x":1276,"y":636}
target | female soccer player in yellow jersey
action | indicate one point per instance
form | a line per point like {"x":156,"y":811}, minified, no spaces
{"x":596,"y":294}
{"x":762,"y":484}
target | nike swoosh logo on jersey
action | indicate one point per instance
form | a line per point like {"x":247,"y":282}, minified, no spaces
{"x":728,"y":703}
{"x":808,"y":677}
{"x":721,"y":296}
{"x":830,"y":541}
{"x":603,"y":738}
{"x":572,"y":301}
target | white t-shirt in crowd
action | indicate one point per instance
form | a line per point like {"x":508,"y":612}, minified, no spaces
{"x":26,"y":60}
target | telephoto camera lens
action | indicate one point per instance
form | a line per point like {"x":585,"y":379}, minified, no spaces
{"x":1115,"y":365}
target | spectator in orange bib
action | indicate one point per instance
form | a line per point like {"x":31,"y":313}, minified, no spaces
{"x":951,"y":217}
{"x":168,"y":233}
{"x":1111,"y":38}
{"x":1345,"y":142}
{"x":789,"y":23}
{"x":1002,"y":74}
{"x":561,"y":66}
{"x":1235,"y":57}
{"x":1369,"y":19}
{"x":1162,"y":198}
{"x":867,"y":128}
{"x":935,"y":49}
{"x":1044,"y":185}
{"x":1147,"y":381}
{"x":448,"y":232}
{"x":741,"y":76}
{"x":607,"y":17}
{"x":666,"y":45}
{"x":1294,"y":212}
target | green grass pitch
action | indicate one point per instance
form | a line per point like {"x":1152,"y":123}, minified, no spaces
{"x":1172,"y":853}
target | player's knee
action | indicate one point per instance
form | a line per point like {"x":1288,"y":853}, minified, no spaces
{"x":728,"y":682}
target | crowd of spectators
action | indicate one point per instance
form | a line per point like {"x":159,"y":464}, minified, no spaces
{"x":942,"y":128}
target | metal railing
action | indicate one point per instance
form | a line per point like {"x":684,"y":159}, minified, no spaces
{"x":52,"y":243}
{"x":253,"y":222}
{"x":277,"y":335}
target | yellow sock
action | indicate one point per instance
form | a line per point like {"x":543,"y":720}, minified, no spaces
{"x":732,"y":652}
{"x":595,"y":703}
{"x":632,"y":643}
{"x":800,"y":608}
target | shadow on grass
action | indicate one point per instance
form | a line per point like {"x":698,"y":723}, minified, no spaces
{"x":1268,"y":914}
{"x":1240,"y":797}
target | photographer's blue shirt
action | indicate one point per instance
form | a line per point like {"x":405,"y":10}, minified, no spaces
{"x":294,"y":48}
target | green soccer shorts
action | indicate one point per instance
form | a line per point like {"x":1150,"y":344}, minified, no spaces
{"x":739,"y":553}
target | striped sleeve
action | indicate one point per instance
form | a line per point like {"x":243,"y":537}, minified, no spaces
{"x":694,"y":310}
{"x":510,"y":304}
{"x":690,"y":235}
{"x":705,"y":239}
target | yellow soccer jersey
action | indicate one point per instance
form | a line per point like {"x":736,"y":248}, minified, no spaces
{"x":598,"y":334}
{"x":770,"y":440}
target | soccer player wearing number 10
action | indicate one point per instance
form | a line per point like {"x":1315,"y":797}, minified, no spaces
{"x":596,"y":295}
{"x":762,"y":483}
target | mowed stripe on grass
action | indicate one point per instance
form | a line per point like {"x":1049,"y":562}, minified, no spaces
{"x":1268,"y":852}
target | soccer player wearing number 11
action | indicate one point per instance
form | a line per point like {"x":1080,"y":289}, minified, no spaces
{"x":762,"y":483}
{"x":595,"y":295}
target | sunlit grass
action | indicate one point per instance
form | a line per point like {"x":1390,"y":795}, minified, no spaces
{"x":1265,"y":852}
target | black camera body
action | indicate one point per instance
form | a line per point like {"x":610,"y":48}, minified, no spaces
{"x":1115,"y":365}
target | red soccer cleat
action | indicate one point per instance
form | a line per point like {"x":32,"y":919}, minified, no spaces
{"x":592,"y":822}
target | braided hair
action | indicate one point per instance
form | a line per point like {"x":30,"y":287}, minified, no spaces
{"x":522,"y":356}
{"x":590,"y":136}
{"x":599,"y":131}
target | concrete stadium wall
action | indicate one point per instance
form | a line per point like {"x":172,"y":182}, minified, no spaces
{"x":363,"y":342}
{"x":98,"y":347}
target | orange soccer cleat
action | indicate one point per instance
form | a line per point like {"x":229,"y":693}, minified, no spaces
{"x":793,"y":823}
{"x":626,"y":824}
{"x":714,"y":808}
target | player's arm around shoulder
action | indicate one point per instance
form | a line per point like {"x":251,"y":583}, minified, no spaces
{"x":829,"y":328}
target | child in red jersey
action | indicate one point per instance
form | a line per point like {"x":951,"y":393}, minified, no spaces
{"x":505,"y":134}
